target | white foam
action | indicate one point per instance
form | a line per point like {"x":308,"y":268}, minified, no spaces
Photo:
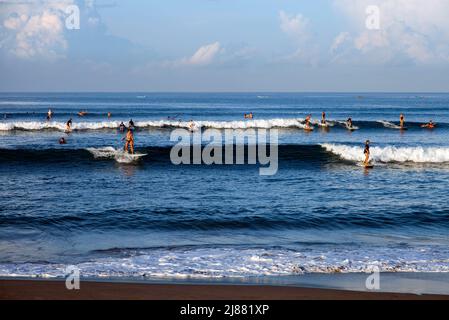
{"x":391,"y":153}
{"x":237,"y":262}
{"x":116,"y":154}
{"x":240,"y":124}
{"x":388,"y":124}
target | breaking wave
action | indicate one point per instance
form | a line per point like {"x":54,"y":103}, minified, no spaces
{"x":391,"y":153}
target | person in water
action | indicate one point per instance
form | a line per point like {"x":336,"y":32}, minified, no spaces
{"x":122,"y":127}
{"x":109,"y":115}
{"x":62,"y":140}
{"x":248,"y":116}
{"x":401,"y":121}
{"x":191,"y":125}
{"x":323,"y":117}
{"x":367,"y":153}
{"x":349,"y":122}
{"x":429,"y":125}
{"x":49,"y":114}
{"x":307,"y":121}
{"x":129,"y":145}
{"x":131,"y":124}
{"x":68,"y":125}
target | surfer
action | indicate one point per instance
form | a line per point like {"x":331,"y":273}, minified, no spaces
{"x":49,"y":114}
{"x":401,"y":121}
{"x":429,"y":125}
{"x":366,"y":152}
{"x":248,"y":116}
{"x":129,"y":141}
{"x":131,"y":124}
{"x":191,"y":125}
{"x":323,"y":118}
{"x":62,"y":140}
{"x":68,"y":125}
{"x":122,"y":127}
{"x":109,"y":115}
{"x":307,"y":120}
{"x":349,"y":123}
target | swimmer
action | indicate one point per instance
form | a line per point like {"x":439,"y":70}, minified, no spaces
{"x":109,"y":115}
{"x":401,"y":121}
{"x":129,"y":141}
{"x":429,"y":125}
{"x":62,"y":140}
{"x":131,"y":124}
{"x":122,"y":127}
{"x":367,"y":153}
{"x":68,"y":125}
{"x":248,"y":116}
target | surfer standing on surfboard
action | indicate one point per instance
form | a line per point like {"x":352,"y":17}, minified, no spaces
{"x":323,"y":118}
{"x":366,"y":152}
{"x":68,"y":126}
{"x":349,"y":123}
{"x":129,"y":141}
{"x":401,"y":121}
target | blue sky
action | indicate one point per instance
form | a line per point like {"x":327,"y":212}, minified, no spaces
{"x":225,"y":45}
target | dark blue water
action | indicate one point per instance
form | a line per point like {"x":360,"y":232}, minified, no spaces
{"x":321,"y":212}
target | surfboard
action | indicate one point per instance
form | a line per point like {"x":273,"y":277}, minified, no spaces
{"x":124,"y":157}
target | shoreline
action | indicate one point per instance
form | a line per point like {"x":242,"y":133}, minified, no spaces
{"x":104,"y":290}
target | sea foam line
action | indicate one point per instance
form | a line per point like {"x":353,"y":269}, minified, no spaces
{"x":391,"y":153}
{"x":239,"y":124}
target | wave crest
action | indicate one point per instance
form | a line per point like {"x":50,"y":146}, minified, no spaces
{"x":391,"y":153}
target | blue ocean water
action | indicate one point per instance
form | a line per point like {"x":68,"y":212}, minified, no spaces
{"x":320,"y":213}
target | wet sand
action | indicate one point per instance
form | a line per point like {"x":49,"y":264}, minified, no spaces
{"x":90,"y":290}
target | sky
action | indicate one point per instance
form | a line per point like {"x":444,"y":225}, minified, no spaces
{"x":224,"y":45}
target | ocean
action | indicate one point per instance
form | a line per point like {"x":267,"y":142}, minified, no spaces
{"x":321,"y":213}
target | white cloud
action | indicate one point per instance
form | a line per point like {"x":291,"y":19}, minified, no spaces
{"x":339,"y":40}
{"x":203,"y":56}
{"x":35,"y":29}
{"x":411,"y":30}
{"x":295,"y":26}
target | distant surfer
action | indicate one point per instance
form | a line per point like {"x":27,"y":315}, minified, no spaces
{"x":122,"y":127}
{"x":49,"y":114}
{"x":62,"y":140}
{"x":131,"y":124}
{"x":129,"y":145}
{"x":248,"y":116}
{"x":191,"y":125}
{"x":429,"y":125}
{"x":68,"y":126}
{"x":307,"y":121}
{"x":367,"y":153}
{"x":401,"y":121}
{"x":323,"y":118}
{"x":109,"y":115}
{"x":349,"y":123}
{"x":82,"y":113}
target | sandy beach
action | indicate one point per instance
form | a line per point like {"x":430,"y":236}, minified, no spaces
{"x":89,"y":290}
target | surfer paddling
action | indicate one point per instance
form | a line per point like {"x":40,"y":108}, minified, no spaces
{"x":129,"y":145}
{"x":367,"y":153}
{"x":429,"y":125}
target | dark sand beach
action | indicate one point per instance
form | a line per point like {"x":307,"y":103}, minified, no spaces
{"x":90,"y":290}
